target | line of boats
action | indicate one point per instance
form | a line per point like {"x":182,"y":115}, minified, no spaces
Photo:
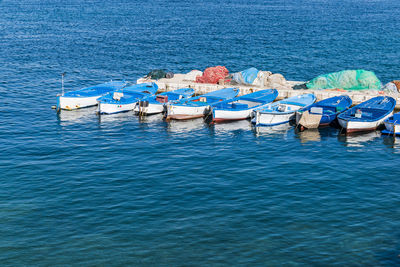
{"x":225,"y":105}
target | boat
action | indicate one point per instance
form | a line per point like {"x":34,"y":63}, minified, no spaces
{"x":282,"y":111}
{"x":368,"y":115}
{"x":155,"y":104}
{"x":322,"y":113}
{"x":125,"y":99}
{"x":198,"y":106}
{"x":241,"y":108}
{"x":392,"y":125}
{"x":86,"y":97}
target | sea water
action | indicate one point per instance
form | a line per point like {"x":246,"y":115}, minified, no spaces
{"x":82,"y":189}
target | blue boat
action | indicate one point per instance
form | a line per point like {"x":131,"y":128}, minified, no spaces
{"x":368,"y":115}
{"x":241,"y":108}
{"x":195,"y":107}
{"x":283,"y":111}
{"x":155,"y":104}
{"x":392,"y":125}
{"x":125,"y":99}
{"x":322,"y":113}
{"x":87,"y":97}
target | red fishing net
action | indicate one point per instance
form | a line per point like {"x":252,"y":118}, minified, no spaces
{"x":213,"y":75}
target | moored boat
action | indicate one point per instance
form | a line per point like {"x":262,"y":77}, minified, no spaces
{"x":125,"y":99}
{"x":195,"y":107}
{"x":392,"y":125}
{"x":322,"y":113}
{"x":241,"y":108}
{"x":155,"y":104}
{"x":368,"y":115}
{"x":86,"y":97}
{"x":282,"y":111}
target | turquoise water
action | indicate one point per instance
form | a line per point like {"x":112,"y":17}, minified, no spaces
{"x":115,"y":190}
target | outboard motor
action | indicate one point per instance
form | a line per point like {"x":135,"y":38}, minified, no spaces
{"x":207,"y":110}
{"x":143,"y":103}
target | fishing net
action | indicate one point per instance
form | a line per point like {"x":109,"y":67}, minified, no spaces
{"x":347,"y":80}
{"x":157,"y":74}
{"x":213,"y":75}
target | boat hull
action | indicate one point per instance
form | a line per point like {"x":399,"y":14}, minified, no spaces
{"x":71,"y":103}
{"x":150,"y":109}
{"x":271,"y":119}
{"x":177,"y":112}
{"x":392,"y":127}
{"x":106,"y":108}
{"x":361,"y":126}
{"x":230,"y":115}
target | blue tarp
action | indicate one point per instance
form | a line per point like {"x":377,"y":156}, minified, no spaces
{"x":245,"y":77}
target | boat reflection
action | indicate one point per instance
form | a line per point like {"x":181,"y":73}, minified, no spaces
{"x":118,"y":117}
{"x":69,"y":117}
{"x":392,"y":141}
{"x":185,"y":126}
{"x":358,"y":139}
{"x":272,"y":130}
{"x":233,"y":127}
{"x":156,"y":118}
{"x":310,"y":135}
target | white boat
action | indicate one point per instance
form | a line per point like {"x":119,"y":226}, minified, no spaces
{"x":195,"y":107}
{"x":368,"y":115}
{"x":155,"y":104}
{"x":86,"y":97}
{"x":283,"y":111}
{"x":125,"y":99}
{"x":241,"y":108}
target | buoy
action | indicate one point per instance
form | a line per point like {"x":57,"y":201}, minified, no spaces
{"x":53,"y":107}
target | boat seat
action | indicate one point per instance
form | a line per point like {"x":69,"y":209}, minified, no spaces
{"x":293,"y":103}
{"x":316,"y":110}
{"x":239,"y":106}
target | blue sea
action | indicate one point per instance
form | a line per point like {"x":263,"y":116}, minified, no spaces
{"x":79,"y":189}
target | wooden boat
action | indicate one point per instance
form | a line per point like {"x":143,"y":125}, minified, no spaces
{"x":322,"y":113}
{"x":155,"y":104}
{"x":368,"y":115}
{"x":241,"y":108}
{"x":283,"y":111}
{"x":195,"y":107}
{"x":392,"y":125}
{"x":125,"y":99}
{"x":86,"y":97}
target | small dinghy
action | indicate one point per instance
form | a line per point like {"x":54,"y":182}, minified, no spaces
{"x":283,"y":111}
{"x":241,"y":108}
{"x":323,"y":112}
{"x":125,"y":99}
{"x":195,"y":107}
{"x":368,"y":115}
{"x":155,"y":104}
{"x":86,"y":97}
{"x":392,"y":125}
